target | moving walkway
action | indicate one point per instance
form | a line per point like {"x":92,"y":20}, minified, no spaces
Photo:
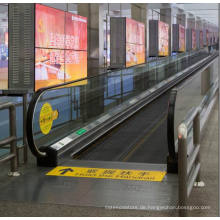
{"x":110,"y":116}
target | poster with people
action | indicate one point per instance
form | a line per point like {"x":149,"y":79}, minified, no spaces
{"x":60,"y":46}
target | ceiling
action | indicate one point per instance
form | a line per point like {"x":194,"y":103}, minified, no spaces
{"x":208,"y":12}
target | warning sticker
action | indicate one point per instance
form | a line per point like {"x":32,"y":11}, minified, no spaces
{"x":142,"y":175}
{"x":47,"y":116}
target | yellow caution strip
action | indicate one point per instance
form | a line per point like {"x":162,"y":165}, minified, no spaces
{"x":142,"y":175}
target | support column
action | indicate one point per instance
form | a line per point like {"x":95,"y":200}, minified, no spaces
{"x":95,"y":41}
{"x":167,"y":17}
{"x":198,"y":23}
{"x":139,"y":13}
{"x":190,"y":21}
{"x":181,"y":19}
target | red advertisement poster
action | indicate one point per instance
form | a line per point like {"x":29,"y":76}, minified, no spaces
{"x":61,"y":47}
{"x":131,"y":31}
{"x":140,"y":51}
{"x":76,"y":32}
{"x":49,"y":67}
{"x":49,"y":25}
{"x":207,"y":37}
{"x":193,"y":39}
{"x":131,"y":55}
{"x":75,"y":65}
{"x":140,"y":33}
{"x":163,"y":38}
{"x":181,"y":38}
{"x":201,"y":39}
{"x":135,"y":42}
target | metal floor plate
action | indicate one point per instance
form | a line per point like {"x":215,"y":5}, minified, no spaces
{"x":36,"y":187}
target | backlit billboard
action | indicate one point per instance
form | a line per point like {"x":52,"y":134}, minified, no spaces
{"x":163,"y":32}
{"x":201,"y":39}
{"x":135,"y":42}
{"x":4,"y":47}
{"x":181,"y":38}
{"x":207,"y":38}
{"x":193,"y":39}
{"x":60,"y":46}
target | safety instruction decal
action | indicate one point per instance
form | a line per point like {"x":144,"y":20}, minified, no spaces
{"x":47,"y":116}
{"x":140,"y":175}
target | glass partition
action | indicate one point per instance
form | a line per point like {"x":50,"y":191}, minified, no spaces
{"x":67,"y":109}
{"x":194,"y":92}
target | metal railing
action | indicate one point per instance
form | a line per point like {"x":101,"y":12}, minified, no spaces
{"x":188,"y":161}
{"x":11,"y":139}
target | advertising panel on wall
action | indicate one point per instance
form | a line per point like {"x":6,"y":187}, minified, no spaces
{"x":61,"y":46}
{"x":207,"y":38}
{"x":193,"y":39}
{"x":178,"y":38}
{"x":205,"y":42}
{"x":158,"y":38}
{"x":135,"y":42}
{"x":53,"y":47}
{"x":197,"y":39}
{"x":127,"y":42}
{"x":4,"y":47}
{"x":163,"y":48}
{"x":201,"y":39}
{"x":181,"y":38}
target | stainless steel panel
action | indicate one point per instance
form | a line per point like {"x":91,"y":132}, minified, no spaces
{"x":153,"y":38}
{"x":117,"y":42}
{"x":21,"y":51}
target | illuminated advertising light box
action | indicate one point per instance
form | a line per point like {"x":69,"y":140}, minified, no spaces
{"x":127,"y":42}
{"x":178,"y":38}
{"x":4,"y":47}
{"x":193,"y":39}
{"x":197,"y":39}
{"x":158,"y":38}
{"x":61,"y":46}
{"x":53,"y":46}
{"x":207,"y":37}
{"x":201,"y":39}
